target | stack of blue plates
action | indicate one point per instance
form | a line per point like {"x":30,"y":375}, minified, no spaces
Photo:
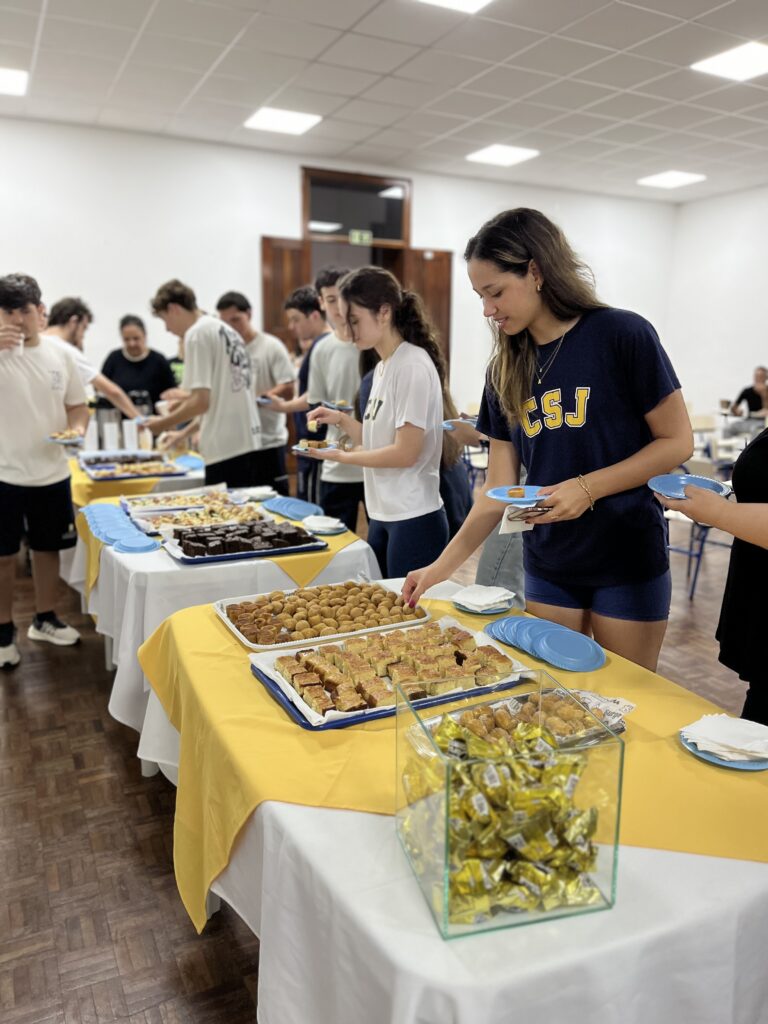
{"x":111,"y":525}
{"x":558,"y":645}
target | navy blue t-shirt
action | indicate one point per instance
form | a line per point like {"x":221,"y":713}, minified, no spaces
{"x":588,"y":413}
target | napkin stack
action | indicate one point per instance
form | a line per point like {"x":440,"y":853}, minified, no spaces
{"x":322,"y":523}
{"x":733,"y":739}
{"x":479,"y":599}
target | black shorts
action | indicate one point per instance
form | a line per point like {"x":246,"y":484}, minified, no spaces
{"x":45,"y":514}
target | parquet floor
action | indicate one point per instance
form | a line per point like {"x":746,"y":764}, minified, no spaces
{"x":91,"y":928}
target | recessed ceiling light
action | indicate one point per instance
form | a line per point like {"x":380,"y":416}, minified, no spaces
{"x":739,"y":64}
{"x":393,"y":192}
{"x":290,"y":122}
{"x":328,"y":226}
{"x":504,"y":156}
{"x":467,"y":6}
{"x":13,"y":82}
{"x":671,"y":179}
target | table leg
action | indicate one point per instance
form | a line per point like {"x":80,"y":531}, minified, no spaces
{"x":148,"y":769}
{"x":212,"y":903}
{"x":108,"y":663}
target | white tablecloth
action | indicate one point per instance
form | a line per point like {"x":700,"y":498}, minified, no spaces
{"x":135,"y":593}
{"x":346,"y":935}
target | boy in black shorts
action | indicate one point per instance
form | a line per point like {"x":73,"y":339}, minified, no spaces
{"x":41,"y":395}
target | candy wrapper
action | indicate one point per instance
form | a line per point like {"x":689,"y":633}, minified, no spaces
{"x":508,"y":817}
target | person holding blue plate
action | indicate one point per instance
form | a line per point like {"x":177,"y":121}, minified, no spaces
{"x":742,"y":616}
{"x":585,"y":398}
{"x":399,"y":444}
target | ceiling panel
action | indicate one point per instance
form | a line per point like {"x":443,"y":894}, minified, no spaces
{"x":343,"y":81}
{"x":277,"y":35}
{"x":192,"y":20}
{"x":433,"y":66}
{"x":475,"y":38}
{"x":368,"y":54}
{"x":408,"y":22}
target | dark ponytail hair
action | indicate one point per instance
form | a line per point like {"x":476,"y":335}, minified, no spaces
{"x":374,"y":287}
{"x":133,"y":321}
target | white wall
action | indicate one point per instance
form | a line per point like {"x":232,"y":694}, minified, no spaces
{"x":110,"y":215}
{"x":717,"y":306}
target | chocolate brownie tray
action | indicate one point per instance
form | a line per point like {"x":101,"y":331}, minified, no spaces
{"x":231,"y":609}
{"x":331,"y":687}
{"x":203,"y":545}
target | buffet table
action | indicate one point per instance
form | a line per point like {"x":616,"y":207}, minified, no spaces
{"x":85,"y":490}
{"x":131,"y":594}
{"x":345,"y":932}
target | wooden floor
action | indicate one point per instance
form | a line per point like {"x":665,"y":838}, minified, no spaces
{"x":91,"y":927}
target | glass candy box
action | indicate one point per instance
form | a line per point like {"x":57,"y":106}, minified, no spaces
{"x":508,"y":805}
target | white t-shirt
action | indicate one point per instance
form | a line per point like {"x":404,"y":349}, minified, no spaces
{"x":334,"y":375}
{"x":215,"y":358}
{"x":406,"y":389}
{"x":272,"y":365}
{"x":36,"y":386}
{"x":85,"y":369}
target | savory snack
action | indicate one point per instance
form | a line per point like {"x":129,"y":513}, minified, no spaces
{"x":66,"y":435}
{"x":214,"y":513}
{"x":148,"y":502}
{"x":149,"y":468}
{"x":516,"y":492}
{"x":313,"y":612}
{"x":563,"y":718}
{"x":362,"y":672}
{"x":206,"y":541}
{"x":304,"y":443}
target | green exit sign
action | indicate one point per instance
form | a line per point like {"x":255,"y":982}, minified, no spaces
{"x":359,"y":237}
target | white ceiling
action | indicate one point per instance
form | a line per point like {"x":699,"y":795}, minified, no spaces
{"x":603,"y":89}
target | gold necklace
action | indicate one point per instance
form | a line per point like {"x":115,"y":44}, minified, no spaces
{"x":542,"y":371}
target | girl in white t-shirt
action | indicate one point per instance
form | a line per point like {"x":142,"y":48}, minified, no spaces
{"x":399,"y":442}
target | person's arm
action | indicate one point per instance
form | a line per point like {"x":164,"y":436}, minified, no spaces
{"x":115,"y":394}
{"x":748,"y":522}
{"x":78,"y":417}
{"x":197,"y":404}
{"x":343,"y":420}
{"x":284,"y":391}
{"x":299,"y":404}
{"x":405,"y":451}
{"x":173,"y":438}
{"x":736,"y":407}
{"x":672,"y":444}
{"x":503,"y":471}
{"x":174,"y":394}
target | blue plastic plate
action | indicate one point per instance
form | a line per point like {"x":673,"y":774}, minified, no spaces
{"x":72,"y":442}
{"x":451,"y":424}
{"x":567,"y":649}
{"x":136,"y":545}
{"x":704,"y":755}
{"x":328,"y":533}
{"x":189,"y":462}
{"x":338,"y":407}
{"x":530,"y":499}
{"x":671,"y":485}
{"x":263,"y":400}
{"x":307,"y":452}
{"x":292,"y":508}
{"x":530,"y":630}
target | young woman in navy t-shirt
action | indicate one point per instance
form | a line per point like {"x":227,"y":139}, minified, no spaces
{"x":586,"y":399}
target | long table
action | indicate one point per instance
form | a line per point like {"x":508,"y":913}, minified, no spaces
{"x":345,"y":932}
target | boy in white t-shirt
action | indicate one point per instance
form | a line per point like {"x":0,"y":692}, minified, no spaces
{"x":273,"y":377}
{"x":40,"y":394}
{"x":217,"y":376}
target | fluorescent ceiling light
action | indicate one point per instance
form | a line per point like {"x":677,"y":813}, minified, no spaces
{"x":739,"y":64}
{"x":504,"y":156}
{"x":671,"y":179}
{"x":467,"y":6}
{"x":13,"y":82}
{"x":393,"y":192}
{"x":328,"y":226}
{"x":290,"y":122}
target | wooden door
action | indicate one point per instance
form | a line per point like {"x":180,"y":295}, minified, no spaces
{"x":285,"y":265}
{"x":428,"y":272}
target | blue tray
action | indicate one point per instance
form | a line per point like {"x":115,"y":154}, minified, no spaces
{"x":292,"y":508}
{"x":238,"y":556}
{"x":426,"y":702}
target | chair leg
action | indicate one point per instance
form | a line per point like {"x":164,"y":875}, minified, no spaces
{"x":702,"y":539}
{"x":691,"y":539}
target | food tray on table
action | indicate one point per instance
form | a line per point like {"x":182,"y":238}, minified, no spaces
{"x":201,"y":545}
{"x":346,"y":684}
{"x":227,"y":514}
{"x":284,"y":638}
{"x":171,"y":501}
{"x":128,"y":465}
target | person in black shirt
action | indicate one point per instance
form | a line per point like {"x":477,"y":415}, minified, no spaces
{"x":755,"y":396}
{"x":141,"y":372}
{"x":741,"y":628}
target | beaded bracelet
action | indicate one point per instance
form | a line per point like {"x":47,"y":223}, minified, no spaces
{"x":585,"y":487}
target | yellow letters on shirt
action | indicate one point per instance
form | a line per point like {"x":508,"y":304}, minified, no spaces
{"x":553,"y":417}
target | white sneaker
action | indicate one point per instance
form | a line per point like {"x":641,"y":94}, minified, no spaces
{"x":56,"y":632}
{"x":9,"y":655}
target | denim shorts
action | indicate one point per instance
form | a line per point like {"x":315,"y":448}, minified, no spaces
{"x":647,"y":601}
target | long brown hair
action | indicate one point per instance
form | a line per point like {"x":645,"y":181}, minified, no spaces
{"x":374,"y":287}
{"x":510,"y":241}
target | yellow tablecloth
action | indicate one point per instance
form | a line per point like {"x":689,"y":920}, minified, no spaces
{"x":301,"y":568}
{"x":238,"y":748}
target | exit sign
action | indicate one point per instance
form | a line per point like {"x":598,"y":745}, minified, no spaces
{"x":359,"y":237}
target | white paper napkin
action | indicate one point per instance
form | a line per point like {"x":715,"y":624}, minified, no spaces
{"x":733,"y":739}
{"x":322,"y":523}
{"x":478,"y":598}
